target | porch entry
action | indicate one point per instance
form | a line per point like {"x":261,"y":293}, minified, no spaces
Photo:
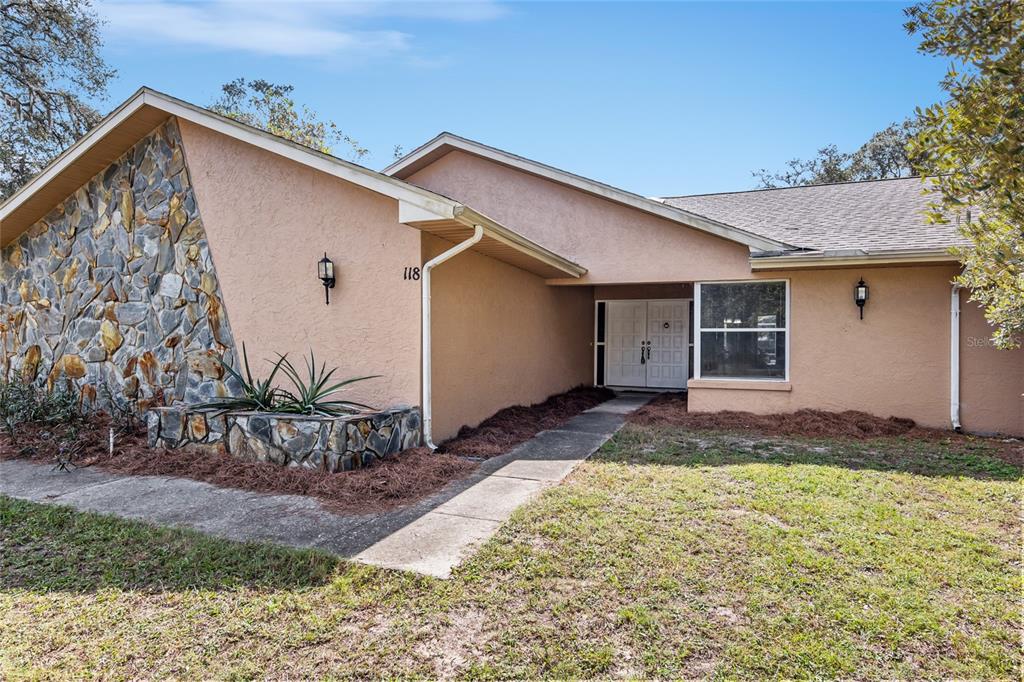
{"x":646,"y":343}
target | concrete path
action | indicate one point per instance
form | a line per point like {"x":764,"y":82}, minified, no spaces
{"x":438,"y":541}
{"x":431,"y":536}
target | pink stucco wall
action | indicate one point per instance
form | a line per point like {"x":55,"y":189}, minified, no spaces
{"x":269,"y":220}
{"x":502,"y":337}
{"x":992,"y":380}
{"x":616,"y":243}
{"x":894,"y":362}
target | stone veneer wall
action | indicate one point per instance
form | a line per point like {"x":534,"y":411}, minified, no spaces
{"x":327,"y":443}
{"x":116,"y":289}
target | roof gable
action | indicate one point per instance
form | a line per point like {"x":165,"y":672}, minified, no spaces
{"x":139,"y":115}
{"x":447,"y":142}
{"x":146,"y":109}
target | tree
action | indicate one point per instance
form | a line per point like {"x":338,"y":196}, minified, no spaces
{"x":49,"y":66}
{"x":885,"y":155}
{"x":269,"y":106}
{"x":975,"y":143}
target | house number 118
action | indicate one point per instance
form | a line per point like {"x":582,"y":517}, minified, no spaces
{"x":411,"y":273}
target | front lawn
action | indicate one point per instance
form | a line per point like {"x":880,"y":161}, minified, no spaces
{"x":671,"y":553}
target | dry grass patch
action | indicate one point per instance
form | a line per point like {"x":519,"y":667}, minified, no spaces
{"x":670,"y":554}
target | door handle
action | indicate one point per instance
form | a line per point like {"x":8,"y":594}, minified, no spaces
{"x":648,"y":350}
{"x":642,"y":359}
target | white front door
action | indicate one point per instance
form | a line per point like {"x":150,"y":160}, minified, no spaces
{"x":625,"y":334}
{"x":669,"y":339}
{"x":647,"y":343}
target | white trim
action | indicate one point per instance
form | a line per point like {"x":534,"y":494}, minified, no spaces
{"x":411,"y":213}
{"x":697,"y":329}
{"x":599,"y":189}
{"x":364,"y":177}
{"x":954,"y":358}
{"x":69,"y":155}
{"x":415,"y":203}
{"x":825,"y":259}
{"x":346,"y":170}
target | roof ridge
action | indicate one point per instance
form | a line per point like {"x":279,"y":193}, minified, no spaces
{"x":779,"y":189}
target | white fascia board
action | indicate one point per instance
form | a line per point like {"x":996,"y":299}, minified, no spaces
{"x":824,"y":259}
{"x":345,"y":170}
{"x":599,"y":189}
{"x":412,"y":213}
{"x":426,"y":200}
{"x":72,"y":153}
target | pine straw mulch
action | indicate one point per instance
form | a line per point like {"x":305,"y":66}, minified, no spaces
{"x":669,"y":409}
{"x":397,"y":481}
{"x":511,"y":426}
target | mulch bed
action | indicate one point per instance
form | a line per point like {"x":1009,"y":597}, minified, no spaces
{"x":506,"y":429}
{"x":394,"y":482}
{"x":397,"y":481}
{"x":669,"y":409}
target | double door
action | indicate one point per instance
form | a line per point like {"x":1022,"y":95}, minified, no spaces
{"x":647,"y":343}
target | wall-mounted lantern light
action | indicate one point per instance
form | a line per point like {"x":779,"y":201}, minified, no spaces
{"x":860,"y":296}
{"x":325,"y":270}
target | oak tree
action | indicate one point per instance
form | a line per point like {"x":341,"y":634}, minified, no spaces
{"x":270,"y":107}
{"x":50,"y":68}
{"x":974,"y":145}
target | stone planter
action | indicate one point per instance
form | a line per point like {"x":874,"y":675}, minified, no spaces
{"x":329,"y":443}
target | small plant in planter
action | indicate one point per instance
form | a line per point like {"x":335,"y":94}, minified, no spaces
{"x":313,"y":395}
{"x":257,"y":395}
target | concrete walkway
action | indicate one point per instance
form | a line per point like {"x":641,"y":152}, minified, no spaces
{"x":439,"y":540}
{"x":431,"y":536}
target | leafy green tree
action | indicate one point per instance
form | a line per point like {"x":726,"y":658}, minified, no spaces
{"x":885,"y":155}
{"x":49,"y":67}
{"x":269,"y":106}
{"x":974,"y":141}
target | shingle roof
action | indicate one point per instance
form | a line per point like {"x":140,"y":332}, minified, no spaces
{"x":871,"y":215}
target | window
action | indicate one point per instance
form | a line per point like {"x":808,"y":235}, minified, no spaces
{"x":743,"y":330}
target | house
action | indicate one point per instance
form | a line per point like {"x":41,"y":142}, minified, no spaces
{"x":471,"y":279}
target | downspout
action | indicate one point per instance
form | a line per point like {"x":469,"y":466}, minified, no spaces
{"x":428,"y":429}
{"x":954,"y":358}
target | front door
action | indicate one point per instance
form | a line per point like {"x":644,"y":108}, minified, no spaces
{"x":625,"y":334}
{"x":669,"y":343}
{"x":647,"y":343}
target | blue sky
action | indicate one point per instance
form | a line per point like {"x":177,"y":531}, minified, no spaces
{"x":657,"y":98}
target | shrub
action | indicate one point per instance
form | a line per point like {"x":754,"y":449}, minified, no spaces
{"x":313,"y":395}
{"x":60,"y":409}
{"x":22,"y":403}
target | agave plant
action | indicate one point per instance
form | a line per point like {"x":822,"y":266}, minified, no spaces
{"x":258,"y":395}
{"x":312,"y":394}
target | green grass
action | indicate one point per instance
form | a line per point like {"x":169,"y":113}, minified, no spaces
{"x":668,"y":554}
